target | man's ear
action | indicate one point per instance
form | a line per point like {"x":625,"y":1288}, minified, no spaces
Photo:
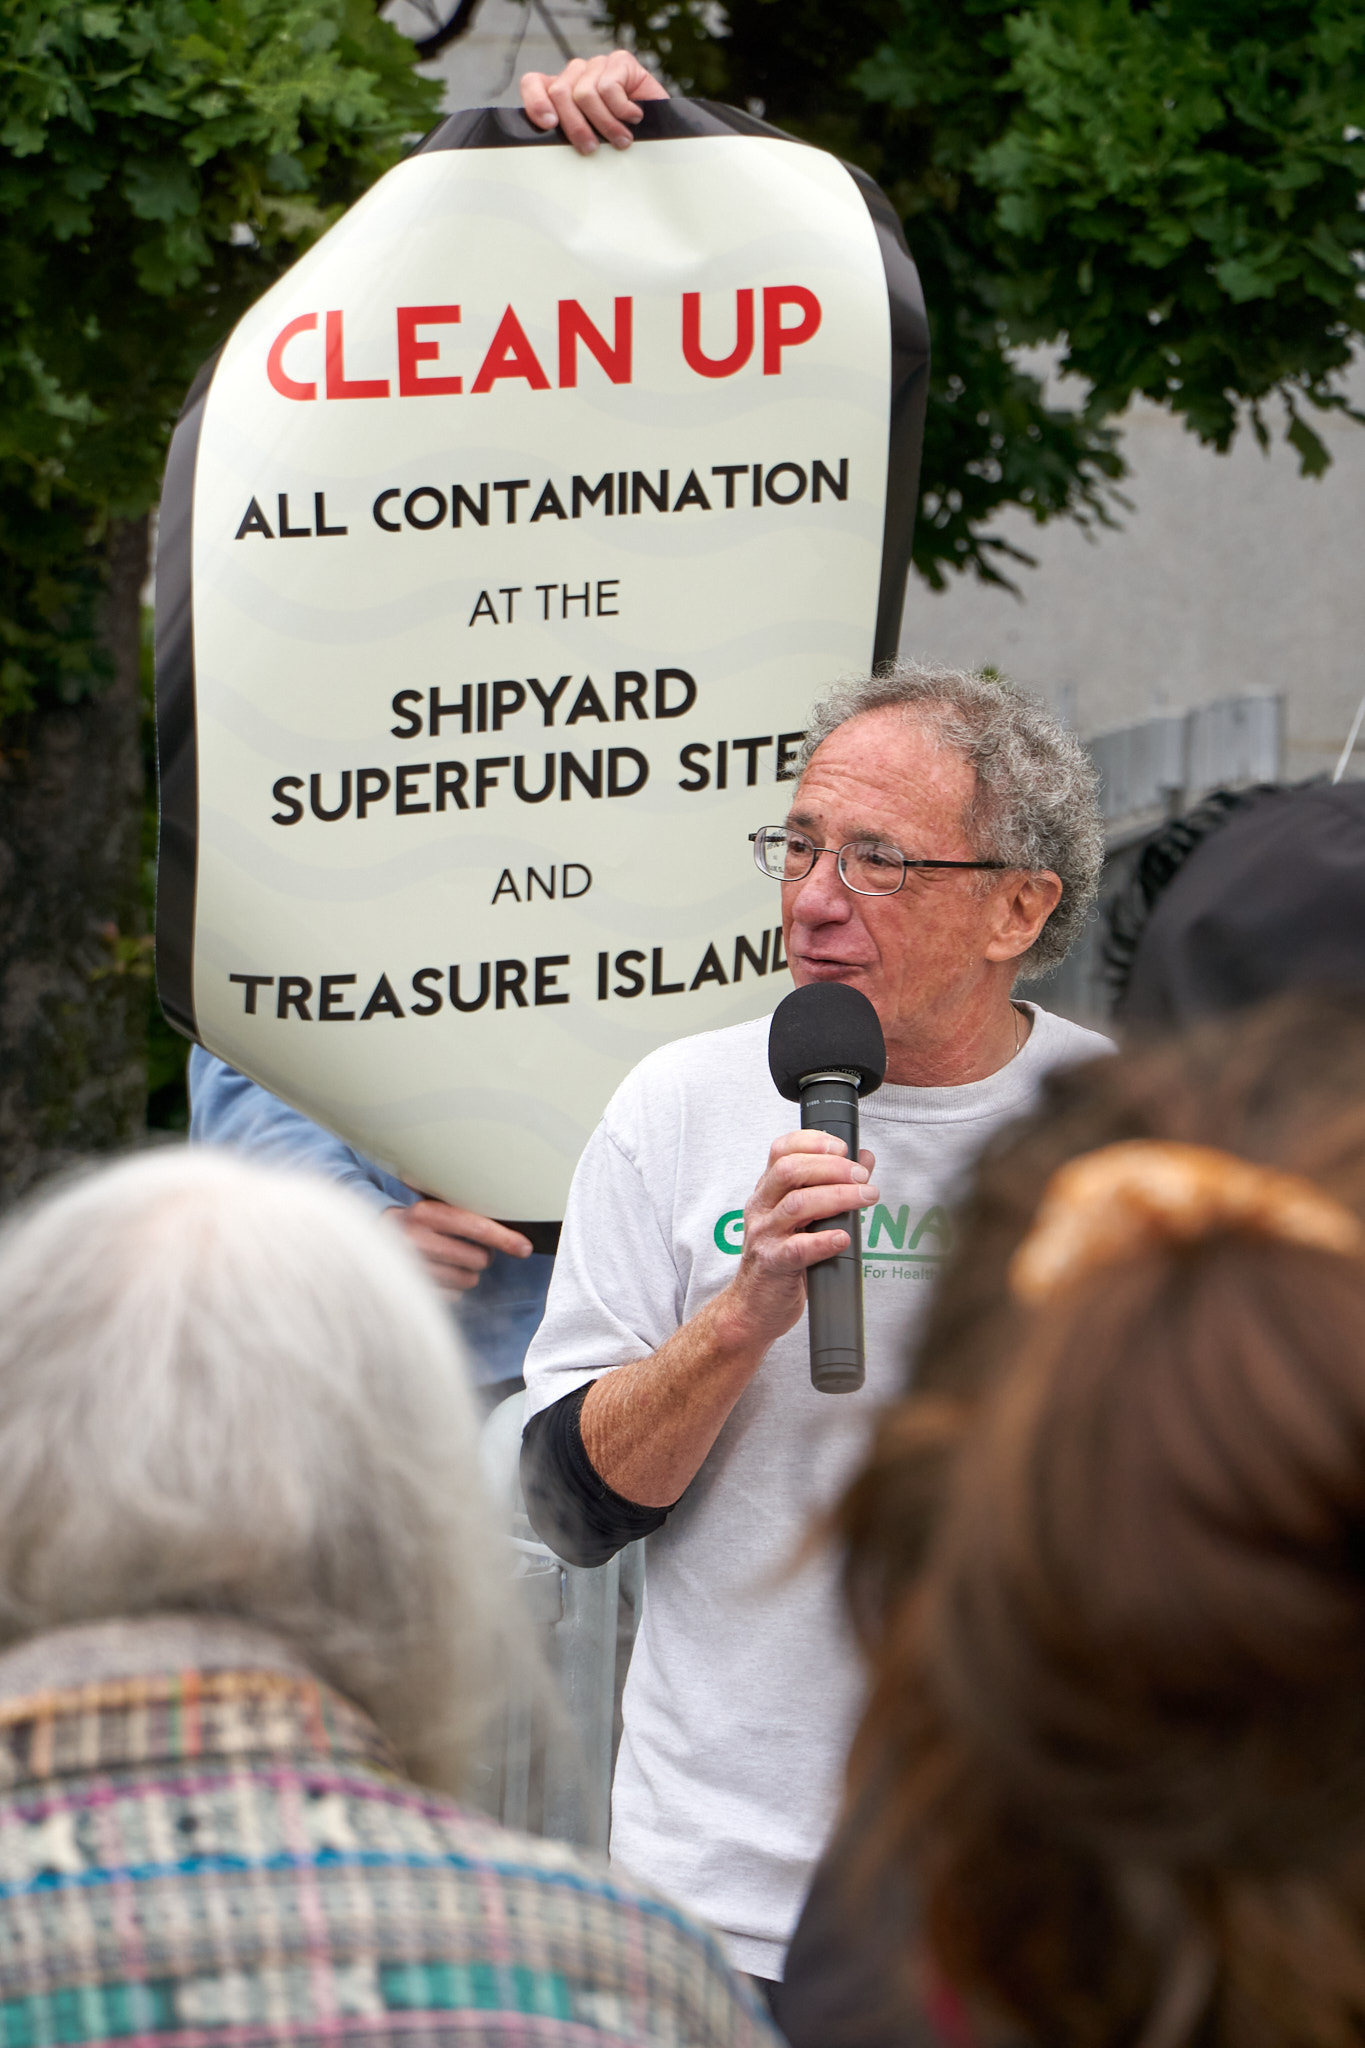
{"x":1023,"y":905}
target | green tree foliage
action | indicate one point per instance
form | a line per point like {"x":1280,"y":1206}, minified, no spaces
{"x":1166,"y":190}
{"x":160,"y":163}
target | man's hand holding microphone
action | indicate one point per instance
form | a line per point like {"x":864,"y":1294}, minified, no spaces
{"x":648,"y":1426}
{"x":809,"y":1180}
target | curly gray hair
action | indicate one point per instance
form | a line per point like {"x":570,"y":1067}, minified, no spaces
{"x":1036,"y":803}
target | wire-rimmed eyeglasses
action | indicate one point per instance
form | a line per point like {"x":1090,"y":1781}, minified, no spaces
{"x":866,"y":866}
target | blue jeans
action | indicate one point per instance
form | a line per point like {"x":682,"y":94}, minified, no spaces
{"x":499,"y":1317}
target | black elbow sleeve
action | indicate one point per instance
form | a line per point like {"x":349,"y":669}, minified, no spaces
{"x":570,"y":1505}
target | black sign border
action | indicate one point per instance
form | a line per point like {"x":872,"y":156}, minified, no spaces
{"x":485,"y":128}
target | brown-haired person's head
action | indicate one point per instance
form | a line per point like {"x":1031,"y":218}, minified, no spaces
{"x":1117,"y":1723}
{"x":1283,"y":1085}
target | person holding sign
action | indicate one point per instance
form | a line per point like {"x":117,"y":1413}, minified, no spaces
{"x":943,"y":838}
{"x":592,"y":99}
{"x":462,"y":1251}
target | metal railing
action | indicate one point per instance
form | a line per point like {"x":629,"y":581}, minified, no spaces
{"x":549,"y":1772}
{"x":1152,"y":771}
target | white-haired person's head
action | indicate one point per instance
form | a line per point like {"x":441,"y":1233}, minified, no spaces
{"x":232,"y":1391}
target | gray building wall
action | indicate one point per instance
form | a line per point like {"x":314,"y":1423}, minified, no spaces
{"x":1232,"y":576}
{"x":508,"y":37}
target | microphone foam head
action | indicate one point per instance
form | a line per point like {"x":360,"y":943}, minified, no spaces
{"x":825,"y":1025}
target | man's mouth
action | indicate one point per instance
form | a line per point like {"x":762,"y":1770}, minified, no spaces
{"x":822,"y":967}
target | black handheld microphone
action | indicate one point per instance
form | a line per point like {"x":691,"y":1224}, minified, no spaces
{"x":825,"y":1049}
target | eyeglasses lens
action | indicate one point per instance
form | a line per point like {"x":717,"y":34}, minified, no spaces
{"x":871,"y":869}
{"x":786,"y":856}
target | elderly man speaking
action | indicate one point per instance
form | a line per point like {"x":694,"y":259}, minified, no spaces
{"x":943,"y":837}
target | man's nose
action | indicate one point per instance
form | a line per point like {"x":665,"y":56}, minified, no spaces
{"x":821,"y":896}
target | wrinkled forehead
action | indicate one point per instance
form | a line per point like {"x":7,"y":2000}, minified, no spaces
{"x":888,"y":772}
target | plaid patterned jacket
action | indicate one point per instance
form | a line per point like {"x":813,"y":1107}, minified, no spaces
{"x":193,"y":1856}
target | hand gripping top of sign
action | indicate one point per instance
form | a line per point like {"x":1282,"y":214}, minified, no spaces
{"x":504,"y":545}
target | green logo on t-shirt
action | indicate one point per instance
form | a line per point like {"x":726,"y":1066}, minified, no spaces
{"x":729,"y":1232}
{"x":933,"y":1224}
{"x":933,"y":1230}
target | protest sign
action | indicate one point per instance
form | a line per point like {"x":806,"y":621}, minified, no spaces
{"x":503,"y":549}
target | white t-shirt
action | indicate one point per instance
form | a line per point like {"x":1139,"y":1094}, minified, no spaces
{"x":745,"y":1685}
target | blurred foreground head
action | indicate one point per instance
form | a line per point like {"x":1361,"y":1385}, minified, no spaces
{"x":1111,"y":1570}
{"x":229,"y":1391}
{"x":1251,"y":894}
